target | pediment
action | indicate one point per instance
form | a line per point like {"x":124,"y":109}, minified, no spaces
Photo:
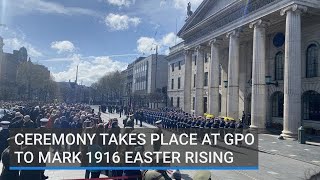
{"x":206,"y":9}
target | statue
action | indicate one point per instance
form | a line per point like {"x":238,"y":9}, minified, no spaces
{"x":189,"y":12}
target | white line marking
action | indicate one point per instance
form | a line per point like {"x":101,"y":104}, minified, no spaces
{"x":260,"y":139}
{"x":307,"y":149}
{"x":273,"y":173}
{"x":289,"y":145}
{"x":315,"y":161}
{"x":292,"y":155}
{"x":274,"y":142}
{"x":273,"y":150}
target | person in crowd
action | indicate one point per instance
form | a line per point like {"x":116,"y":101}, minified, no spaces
{"x":4,"y":135}
{"x":6,"y":173}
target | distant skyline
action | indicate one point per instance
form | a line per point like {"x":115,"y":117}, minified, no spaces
{"x":98,"y":35}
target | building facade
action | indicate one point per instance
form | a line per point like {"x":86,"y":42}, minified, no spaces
{"x":263,"y":60}
{"x":9,"y":63}
{"x":149,"y":80}
{"x":176,"y":79}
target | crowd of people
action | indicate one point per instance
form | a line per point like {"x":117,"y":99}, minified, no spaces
{"x":70,"y":116}
{"x":21,"y":115}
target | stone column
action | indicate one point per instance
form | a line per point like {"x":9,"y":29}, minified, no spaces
{"x":214,"y":77}
{"x":233,"y":75}
{"x":292,"y":71}
{"x":187,"y":81}
{"x":199,"y":81}
{"x":258,"y":101}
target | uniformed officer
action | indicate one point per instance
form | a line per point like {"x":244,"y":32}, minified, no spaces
{"x":6,"y":173}
{"x":130,"y":122}
{"x":157,"y":144}
{"x":4,"y":135}
{"x":43,"y":124}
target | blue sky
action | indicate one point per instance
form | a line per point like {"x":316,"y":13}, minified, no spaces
{"x":98,"y":35}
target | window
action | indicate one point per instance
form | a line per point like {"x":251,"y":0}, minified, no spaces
{"x":206,"y":79}
{"x":311,"y":105}
{"x":172,"y":67}
{"x":171,"y":102}
{"x":277,"y":104}
{"x":179,"y":79}
{"x":194,"y":80}
{"x":279,"y":66}
{"x":205,"y":104}
{"x":172,"y":83}
{"x":178,"y":102}
{"x":179,"y":65}
{"x":195,"y":60}
{"x":312,"y":61}
{"x":193,"y":102}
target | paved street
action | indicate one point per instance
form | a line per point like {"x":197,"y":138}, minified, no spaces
{"x":278,"y":159}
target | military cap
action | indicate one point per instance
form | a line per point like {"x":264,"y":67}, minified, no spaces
{"x":5,"y":122}
{"x":27,"y":117}
{"x":44,"y":120}
{"x":202,"y":175}
{"x":18,"y":114}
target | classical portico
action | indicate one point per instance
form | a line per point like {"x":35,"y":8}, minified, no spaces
{"x":245,"y":43}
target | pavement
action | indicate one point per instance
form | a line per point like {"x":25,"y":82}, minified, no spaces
{"x":278,"y":159}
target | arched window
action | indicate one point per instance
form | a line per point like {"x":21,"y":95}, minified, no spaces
{"x":277,"y":104}
{"x":311,"y":105}
{"x":312,"y":61}
{"x":279,"y":66}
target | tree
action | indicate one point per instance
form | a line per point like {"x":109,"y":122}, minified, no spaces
{"x":34,"y":82}
{"x":108,"y":88}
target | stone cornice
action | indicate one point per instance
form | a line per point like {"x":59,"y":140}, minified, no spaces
{"x":295,"y":8}
{"x":209,"y":34}
{"x":188,"y":51}
{"x":175,"y":55}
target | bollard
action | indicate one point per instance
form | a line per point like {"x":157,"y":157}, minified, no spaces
{"x":301,"y":135}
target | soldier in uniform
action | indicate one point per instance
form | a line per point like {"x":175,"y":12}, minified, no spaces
{"x":43,"y":129}
{"x":4,"y":135}
{"x":221,"y":128}
{"x":6,"y":173}
{"x":130,"y":122}
{"x":157,"y":144}
{"x":125,"y":120}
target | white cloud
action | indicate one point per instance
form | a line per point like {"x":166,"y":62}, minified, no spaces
{"x":90,"y":68}
{"x":63,"y":46}
{"x":29,"y":6}
{"x":15,"y":44}
{"x":121,"y":3}
{"x":146,"y":45}
{"x":121,"y":22}
{"x":170,"y":39}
